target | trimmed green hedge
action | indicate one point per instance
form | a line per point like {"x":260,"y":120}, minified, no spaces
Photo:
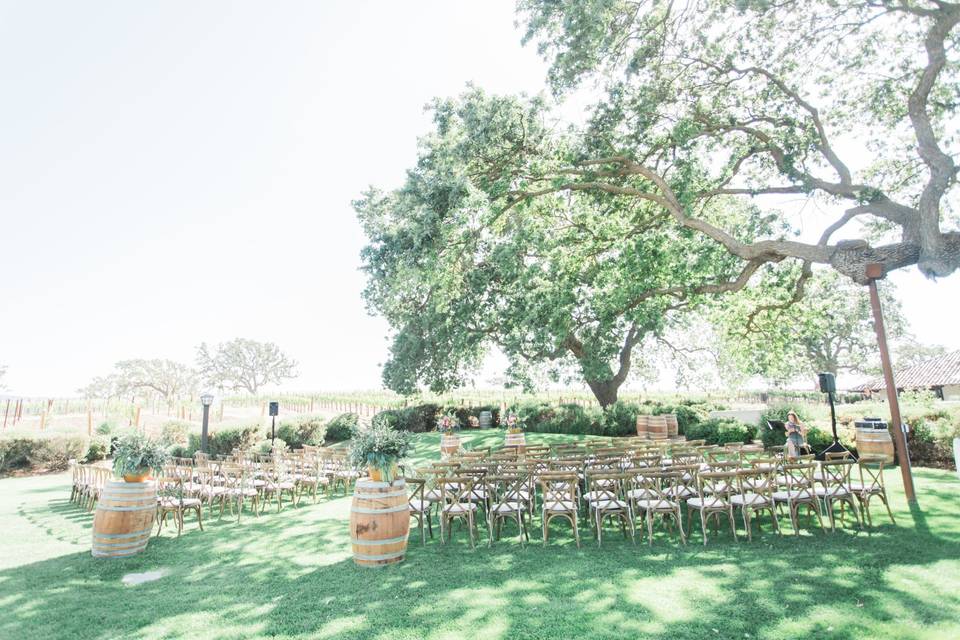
{"x":341,"y":427}
{"x":721,"y":431}
{"x":307,"y":429}
{"x":619,"y":419}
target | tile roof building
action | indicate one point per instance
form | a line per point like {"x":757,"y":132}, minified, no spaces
{"x":941,"y":375}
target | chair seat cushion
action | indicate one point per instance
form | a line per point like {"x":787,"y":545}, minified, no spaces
{"x":173,"y":503}
{"x":609,"y":505}
{"x":858,"y":487}
{"x":749,"y":499}
{"x":657,"y":505}
{"x":560,"y":505}
{"x":592,"y":496}
{"x":419,"y":506}
{"x":833,"y":492}
{"x":509,"y":507}
{"x":639,"y":494}
{"x":792,"y":495}
{"x":708,"y":502}
{"x":459,"y":508}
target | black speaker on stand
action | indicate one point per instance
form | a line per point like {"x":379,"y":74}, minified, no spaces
{"x":828,"y":385}
{"x":274,"y":412}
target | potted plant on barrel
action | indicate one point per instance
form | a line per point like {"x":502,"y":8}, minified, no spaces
{"x":136,"y":455}
{"x":380,"y":449}
{"x":447,"y":425}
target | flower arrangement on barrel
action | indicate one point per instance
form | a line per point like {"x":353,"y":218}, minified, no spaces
{"x":513,"y":423}
{"x":380,"y":449}
{"x":448,"y":425}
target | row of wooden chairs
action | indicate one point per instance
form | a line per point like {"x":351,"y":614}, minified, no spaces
{"x":647,"y":486}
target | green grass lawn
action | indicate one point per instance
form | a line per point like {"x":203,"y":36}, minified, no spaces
{"x":289,"y":575}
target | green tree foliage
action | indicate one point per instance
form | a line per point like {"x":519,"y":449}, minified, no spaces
{"x":753,"y":99}
{"x":566,"y":281}
{"x":766,"y":332}
{"x":244,"y":365}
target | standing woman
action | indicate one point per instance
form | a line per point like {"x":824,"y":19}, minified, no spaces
{"x":796,"y":435}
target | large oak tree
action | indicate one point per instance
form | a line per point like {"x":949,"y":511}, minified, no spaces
{"x":848,"y":102}
{"x":563,"y":281}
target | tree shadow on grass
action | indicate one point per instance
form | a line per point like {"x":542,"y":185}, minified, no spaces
{"x":290,"y":574}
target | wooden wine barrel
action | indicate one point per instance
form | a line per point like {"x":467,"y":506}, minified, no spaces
{"x":486,"y":419}
{"x":673,"y":427}
{"x":642,"y":421}
{"x":449,"y":445}
{"x":124,"y":518}
{"x":515,"y":440}
{"x":379,"y":522}
{"x":875,"y":442}
{"x":657,"y":427}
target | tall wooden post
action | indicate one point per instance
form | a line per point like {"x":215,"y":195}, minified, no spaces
{"x":875,"y":272}
{"x":6,"y":412}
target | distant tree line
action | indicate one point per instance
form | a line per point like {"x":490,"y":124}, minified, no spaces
{"x":240,"y":365}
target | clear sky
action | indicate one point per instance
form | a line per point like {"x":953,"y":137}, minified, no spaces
{"x":178,"y":172}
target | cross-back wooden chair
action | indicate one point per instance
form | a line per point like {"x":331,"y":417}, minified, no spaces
{"x":834,"y":487}
{"x":238,"y":489}
{"x":799,"y":492}
{"x":507,"y":502}
{"x":419,"y":507}
{"x":277,"y":481}
{"x":560,"y":490}
{"x":606,"y":498}
{"x":172,"y":500}
{"x":309,"y":476}
{"x":870,"y":471}
{"x":754,"y":496}
{"x":652,"y":495}
{"x":457,"y":505}
{"x":713,"y":500}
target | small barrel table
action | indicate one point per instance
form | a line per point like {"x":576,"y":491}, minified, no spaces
{"x":379,"y":522}
{"x":449,"y":444}
{"x":124,"y":518}
{"x":518,"y":440}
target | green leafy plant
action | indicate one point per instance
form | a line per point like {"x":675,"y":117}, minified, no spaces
{"x":379,"y":447}
{"x":342,"y":427}
{"x":136,"y":453}
{"x":266,"y":447}
{"x":98,"y":449}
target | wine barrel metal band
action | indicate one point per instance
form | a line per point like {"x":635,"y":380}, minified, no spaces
{"x":123,"y":535}
{"x":382,"y":556}
{"x":371,"y":543}
{"x":145,"y":507}
{"x":377,"y":496}
{"x":403,"y":507}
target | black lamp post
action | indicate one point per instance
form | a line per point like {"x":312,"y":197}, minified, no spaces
{"x":206,"y":400}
